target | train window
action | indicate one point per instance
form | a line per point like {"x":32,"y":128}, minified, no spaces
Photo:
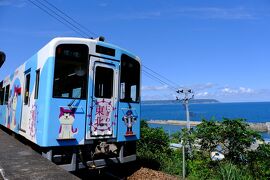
{"x":1,"y":93}
{"x":129,"y":80}
{"x":71,"y":70}
{"x":103,"y":82}
{"x":37,"y":83}
{"x":6,"y":96}
{"x":27,"y":88}
{"x":105,"y":50}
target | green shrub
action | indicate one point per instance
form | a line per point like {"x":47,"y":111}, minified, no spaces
{"x":153,"y":147}
{"x":259,"y":161}
{"x":209,"y":133}
{"x":233,"y":172}
{"x":233,"y":135}
{"x":201,"y":166}
{"x":237,"y":137}
{"x":173,"y":163}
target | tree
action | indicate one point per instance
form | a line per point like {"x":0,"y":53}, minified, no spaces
{"x":233,"y":135}
{"x":209,"y":135}
{"x":237,"y":138}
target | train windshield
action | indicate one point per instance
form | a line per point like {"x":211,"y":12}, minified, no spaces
{"x":70,"y":74}
{"x":130,"y":79}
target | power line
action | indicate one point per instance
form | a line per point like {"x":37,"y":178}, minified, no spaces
{"x":159,"y":80}
{"x":58,"y":18}
{"x":168,"y":80}
{"x":68,"y":21}
{"x":63,"y":18}
{"x":73,"y":20}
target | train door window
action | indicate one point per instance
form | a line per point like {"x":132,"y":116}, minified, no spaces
{"x":130,"y":79}
{"x":37,"y":83}
{"x":71,"y":71}
{"x":1,"y":93}
{"x":103,"y":82}
{"x":27,"y":88}
{"x":6,"y":96}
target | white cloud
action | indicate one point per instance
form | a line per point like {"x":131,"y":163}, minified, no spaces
{"x":141,"y":15}
{"x":246,"y":90}
{"x":236,"y":13}
{"x":201,"y":87}
{"x":154,"y":88}
{"x":229,"y":91}
{"x":165,"y":96}
{"x":5,"y":3}
{"x":134,"y":16}
{"x":201,"y":94}
{"x":210,"y":91}
{"x":36,"y":33}
{"x":14,"y":3}
{"x":240,"y":90}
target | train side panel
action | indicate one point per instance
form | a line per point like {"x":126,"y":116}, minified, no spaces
{"x":11,"y":110}
{"x":40,"y":93}
{"x":25,"y":113}
{"x":38,"y":117}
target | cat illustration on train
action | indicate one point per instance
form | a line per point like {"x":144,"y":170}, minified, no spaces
{"x":12,"y":107}
{"x":66,"y":118}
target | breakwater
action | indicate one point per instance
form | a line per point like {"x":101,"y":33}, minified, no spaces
{"x":260,"y":127}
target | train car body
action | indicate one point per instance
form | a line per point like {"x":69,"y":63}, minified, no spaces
{"x":76,"y":96}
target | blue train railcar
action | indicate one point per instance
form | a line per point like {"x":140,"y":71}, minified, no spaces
{"x":77,"y":99}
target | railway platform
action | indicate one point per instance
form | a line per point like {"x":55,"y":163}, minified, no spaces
{"x":19,"y":161}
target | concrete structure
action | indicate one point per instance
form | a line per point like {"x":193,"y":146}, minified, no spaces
{"x":18,"y":161}
{"x":260,"y":127}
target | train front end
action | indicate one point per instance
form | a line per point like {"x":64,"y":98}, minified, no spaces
{"x":96,"y":98}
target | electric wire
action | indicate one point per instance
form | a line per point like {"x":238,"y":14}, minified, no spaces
{"x":159,"y":80}
{"x":163,"y":77}
{"x":70,"y":18}
{"x":58,"y":18}
{"x":64,"y":18}
{"x":77,"y":27}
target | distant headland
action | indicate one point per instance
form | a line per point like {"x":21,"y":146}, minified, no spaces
{"x":193,"y":101}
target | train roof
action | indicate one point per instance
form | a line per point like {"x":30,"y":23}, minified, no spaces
{"x":72,"y":40}
{"x":97,"y":41}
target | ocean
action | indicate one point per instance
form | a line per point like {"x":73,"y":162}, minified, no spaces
{"x":251,"y":111}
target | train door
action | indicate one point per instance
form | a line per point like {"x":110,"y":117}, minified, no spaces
{"x":102,"y":99}
{"x":26,"y":101}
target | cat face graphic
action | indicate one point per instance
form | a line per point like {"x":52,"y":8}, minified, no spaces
{"x":14,"y":102}
{"x":66,"y":116}
{"x":17,"y":92}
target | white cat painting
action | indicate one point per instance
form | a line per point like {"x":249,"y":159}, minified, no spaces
{"x":66,"y":118}
{"x":13,"y":108}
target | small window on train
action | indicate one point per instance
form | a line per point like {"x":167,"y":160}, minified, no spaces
{"x":6,"y":96}
{"x":37,"y":83}
{"x":105,"y":50}
{"x":129,"y":80}
{"x":27,"y":89}
{"x":103,"y":82}
{"x":1,"y":93}
{"x":71,"y":70}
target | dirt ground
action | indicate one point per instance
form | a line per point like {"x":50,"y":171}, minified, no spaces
{"x":130,"y":171}
{"x":145,"y":173}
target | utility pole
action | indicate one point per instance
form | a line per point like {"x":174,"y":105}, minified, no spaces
{"x":188,"y":95}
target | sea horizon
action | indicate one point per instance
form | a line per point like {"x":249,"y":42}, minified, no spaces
{"x":251,"y":111}
{"x":156,"y":100}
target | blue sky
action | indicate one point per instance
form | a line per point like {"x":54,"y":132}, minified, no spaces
{"x":220,"y":49}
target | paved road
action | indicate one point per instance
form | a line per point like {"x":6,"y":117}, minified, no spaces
{"x":20,"y":162}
